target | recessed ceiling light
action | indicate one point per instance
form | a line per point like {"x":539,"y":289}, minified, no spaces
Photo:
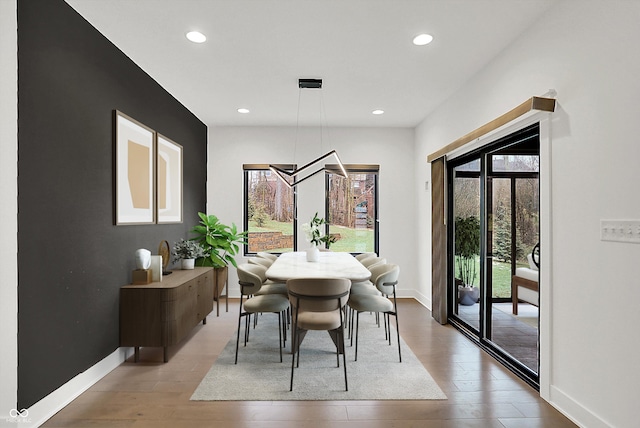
{"x":422,"y":39}
{"x":196,"y":37}
{"x":243,"y":110}
{"x":377,"y":112}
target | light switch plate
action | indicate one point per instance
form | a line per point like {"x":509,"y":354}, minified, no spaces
{"x":620,"y":231}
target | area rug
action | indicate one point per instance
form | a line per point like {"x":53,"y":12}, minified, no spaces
{"x":260,"y":376}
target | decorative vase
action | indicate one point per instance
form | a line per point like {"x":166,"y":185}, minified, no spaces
{"x":313,"y":254}
{"x":143,"y":259}
{"x":188,"y":263}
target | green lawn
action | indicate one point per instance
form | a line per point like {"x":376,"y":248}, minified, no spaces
{"x":501,"y":277}
{"x":351,"y":240}
{"x":272,"y":226}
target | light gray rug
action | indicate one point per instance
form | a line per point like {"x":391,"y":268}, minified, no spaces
{"x":259,"y":375}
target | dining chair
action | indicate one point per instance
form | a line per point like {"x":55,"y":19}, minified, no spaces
{"x":265,"y":255}
{"x":261,"y":261}
{"x":363,"y":256}
{"x":268,"y":286}
{"x":364,"y":287}
{"x":251,"y":303}
{"x":317,"y":304}
{"x":372,"y":260}
{"x":385,"y":278}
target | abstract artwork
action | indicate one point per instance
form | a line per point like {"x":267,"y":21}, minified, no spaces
{"x":135,"y":173}
{"x":169,"y":181}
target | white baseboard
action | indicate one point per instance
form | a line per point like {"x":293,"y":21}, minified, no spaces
{"x":44,"y":409}
{"x":573,"y":410}
{"x":424,"y":300}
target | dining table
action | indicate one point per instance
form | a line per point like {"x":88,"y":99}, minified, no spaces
{"x":330,"y":264}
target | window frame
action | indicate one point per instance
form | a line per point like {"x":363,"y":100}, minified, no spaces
{"x":246,"y":168}
{"x":358,"y":169}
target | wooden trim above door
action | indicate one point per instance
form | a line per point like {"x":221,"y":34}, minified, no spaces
{"x":533,"y":103}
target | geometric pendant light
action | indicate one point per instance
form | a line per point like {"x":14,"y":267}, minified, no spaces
{"x":308,"y":170}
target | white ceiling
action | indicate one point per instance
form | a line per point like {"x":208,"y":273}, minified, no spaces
{"x":257,"y":49}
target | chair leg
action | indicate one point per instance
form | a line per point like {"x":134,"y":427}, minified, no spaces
{"x":344,"y":351}
{"x":395,"y":313}
{"x":294,"y":346}
{"x":283,"y":326}
{"x":238,"y":338}
{"x":351,"y":325}
{"x":247,"y":324}
{"x":280,"y":334}
{"x":357,"y":326}
{"x":398,"y":333}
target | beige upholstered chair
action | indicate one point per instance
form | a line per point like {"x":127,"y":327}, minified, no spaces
{"x":317,"y":304}
{"x":261,"y":261}
{"x":364,"y":256}
{"x":364,"y":287}
{"x":250,"y":303}
{"x":385,"y":278}
{"x":265,"y":255}
{"x":372,"y":260}
{"x":268,"y":286}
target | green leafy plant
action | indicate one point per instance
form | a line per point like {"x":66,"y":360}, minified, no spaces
{"x":314,"y":234}
{"x":187,"y":250}
{"x":467,"y":247}
{"x":220,"y":242}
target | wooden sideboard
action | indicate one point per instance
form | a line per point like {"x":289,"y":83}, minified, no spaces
{"x":163,"y":313}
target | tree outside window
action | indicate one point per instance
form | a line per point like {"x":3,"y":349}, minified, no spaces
{"x":352,"y":210}
{"x":269,"y":211}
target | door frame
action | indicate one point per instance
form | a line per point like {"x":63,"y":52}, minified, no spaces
{"x":546,"y":227}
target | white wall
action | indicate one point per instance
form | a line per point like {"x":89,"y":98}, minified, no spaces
{"x":8,"y":207}
{"x":586,"y":51}
{"x":391,"y":148}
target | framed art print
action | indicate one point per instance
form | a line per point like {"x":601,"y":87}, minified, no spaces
{"x":134,"y":172}
{"x":169,"y":180}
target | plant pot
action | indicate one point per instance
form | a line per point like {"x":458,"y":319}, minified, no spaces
{"x":186,"y":264}
{"x":220,"y":281}
{"x":468,"y":296}
{"x":313,"y":254}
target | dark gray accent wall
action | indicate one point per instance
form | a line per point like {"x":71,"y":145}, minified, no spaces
{"x":71,"y":258}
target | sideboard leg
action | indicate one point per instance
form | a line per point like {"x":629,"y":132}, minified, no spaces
{"x":217,"y":299}
{"x":136,"y":354}
{"x":166,"y":354}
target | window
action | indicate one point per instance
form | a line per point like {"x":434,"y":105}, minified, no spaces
{"x":269,"y":210}
{"x":352,"y":208}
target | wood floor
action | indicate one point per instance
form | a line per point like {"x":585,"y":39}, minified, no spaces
{"x":481,"y":393}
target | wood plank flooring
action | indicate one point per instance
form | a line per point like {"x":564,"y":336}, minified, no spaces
{"x":481,"y":393}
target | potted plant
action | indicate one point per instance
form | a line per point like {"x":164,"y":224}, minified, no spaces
{"x":316,"y":237}
{"x":466,"y":249}
{"x":221,"y":244}
{"x":187,"y":252}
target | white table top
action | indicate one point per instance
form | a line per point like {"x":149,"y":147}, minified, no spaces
{"x":329,"y":265}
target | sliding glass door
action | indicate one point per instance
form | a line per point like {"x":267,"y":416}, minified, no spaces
{"x":466,"y":188}
{"x":494,"y":227}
